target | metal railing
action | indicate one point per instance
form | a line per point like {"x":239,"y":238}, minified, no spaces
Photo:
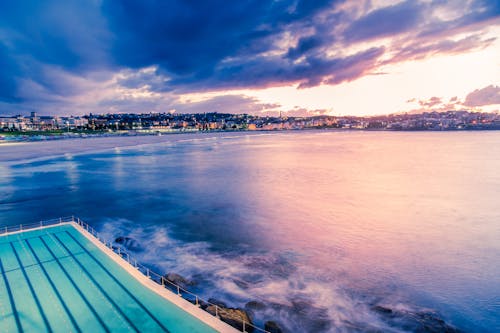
{"x":45,"y":223}
{"x":146,"y":271}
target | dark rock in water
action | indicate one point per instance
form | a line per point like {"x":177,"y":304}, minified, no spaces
{"x":314,"y":318}
{"x":129,"y":243}
{"x":430,"y":323}
{"x":255,"y":306}
{"x":120,"y":240}
{"x":241,"y":283}
{"x":233,"y":316}
{"x":277,"y":267}
{"x":381,"y":309}
{"x":272,"y":327}
{"x":179,"y":280}
{"x":215,"y":301}
{"x":419,"y":322}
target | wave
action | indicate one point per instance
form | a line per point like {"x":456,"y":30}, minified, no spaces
{"x":270,"y":286}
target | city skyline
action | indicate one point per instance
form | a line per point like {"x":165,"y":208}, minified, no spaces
{"x":301,"y":58}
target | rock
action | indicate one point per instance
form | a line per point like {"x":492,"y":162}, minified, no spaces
{"x":415,"y":321}
{"x":179,"y":280}
{"x":430,"y":323}
{"x":215,"y":301}
{"x":255,"y":306}
{"x":120,"y":240}
{"x":129,"y":243}
{"x":381,"y":309}
{"x":278,"y":267}
{"x":233,"y":316}
{"x":315,"y":318}
{"x":272,"y":327}
{"x":241,"y":283}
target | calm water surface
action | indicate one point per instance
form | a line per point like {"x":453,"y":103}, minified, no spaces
{"x":319,"y":227}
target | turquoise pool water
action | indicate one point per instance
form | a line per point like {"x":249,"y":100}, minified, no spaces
{"x":56,"y":280}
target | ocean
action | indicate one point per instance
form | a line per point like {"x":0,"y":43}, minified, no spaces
{"x":319,"y":231}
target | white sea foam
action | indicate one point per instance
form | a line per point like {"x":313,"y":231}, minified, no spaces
{"x":291,"y":295}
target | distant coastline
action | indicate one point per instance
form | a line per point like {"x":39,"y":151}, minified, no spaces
{"x":41,"y":136}
{"x":42,"y":128}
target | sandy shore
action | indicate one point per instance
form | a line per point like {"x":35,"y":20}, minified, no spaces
{"x":21,"y":151}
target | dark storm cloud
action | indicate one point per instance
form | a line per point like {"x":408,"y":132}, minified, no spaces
{"x":386,"y":21}
{"x":9,"y":74}
{"x":70,"y":34}
{"x":40,"y":38}
{"x":191,"y":40}
{"x":187,"y":37}
{"x":200,"y":45}
{"x":210,"y":45}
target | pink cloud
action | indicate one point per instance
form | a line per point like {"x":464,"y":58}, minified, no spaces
{"x":489,"y":95}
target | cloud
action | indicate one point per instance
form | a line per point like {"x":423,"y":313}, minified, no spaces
{"x":70,"y":36}
{"x":489,"y":95}
{"x":8,"y":76}
{"x":430,"y":102}
{"x":486,"y":96}
{"x":422,"y":49}
{"x":54,"y":51}
{"x":385,"y":21}
{"x":254,"y":44}
{"x":227,"y":104}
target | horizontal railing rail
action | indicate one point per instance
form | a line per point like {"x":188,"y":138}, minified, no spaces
{"x":44,"y":223}
{"x":125,"y":255}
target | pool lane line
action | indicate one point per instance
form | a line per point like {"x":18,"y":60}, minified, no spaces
{"x":40,"y":276}
{"x":56,"y":291}
{"x":33,"y":265}
{"x":32,"y":290}
{"x":92,"y":279}
{"x":100,"y":296}
{"x":115,"y":279}
{"x":11,"y":298}
{"x":75,"y":285}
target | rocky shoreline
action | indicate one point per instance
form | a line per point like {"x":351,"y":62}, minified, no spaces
{"x":316,"y":319}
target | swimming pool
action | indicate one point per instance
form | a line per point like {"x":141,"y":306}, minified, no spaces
{"x":55,"y":279}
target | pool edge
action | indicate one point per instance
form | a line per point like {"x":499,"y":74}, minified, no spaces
{"x":173,"y":298}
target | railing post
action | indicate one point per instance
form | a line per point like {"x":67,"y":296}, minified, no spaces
{"x":197,"y":304}
{"x":178,"y":291}
{"x":60,"y":220}
{"x":41,"y":224}
{"x":147,"y":272}
{"x":6,"y":229}
{"x":119,"y":252}
{"x":162,"y":282}
{"x":216,"y":311}
{"x":135,"y":263}
{"x":21,"y":227}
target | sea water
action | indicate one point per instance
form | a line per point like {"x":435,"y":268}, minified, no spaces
{"x":321,"y":231}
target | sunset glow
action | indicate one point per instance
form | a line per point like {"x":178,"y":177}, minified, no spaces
{"x":332,"y":57}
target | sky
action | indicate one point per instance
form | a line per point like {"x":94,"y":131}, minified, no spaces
{"x":300,"y":57}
